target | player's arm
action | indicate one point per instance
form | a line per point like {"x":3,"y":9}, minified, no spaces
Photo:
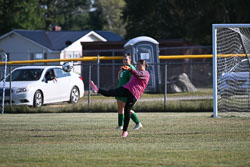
{"x":139,"y":74}
{"x":119,"y":72}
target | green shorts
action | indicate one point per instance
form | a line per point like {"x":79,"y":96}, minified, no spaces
{"x":123,"y":99}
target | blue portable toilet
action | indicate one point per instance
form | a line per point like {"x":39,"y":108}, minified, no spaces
{"x":146,"y":48}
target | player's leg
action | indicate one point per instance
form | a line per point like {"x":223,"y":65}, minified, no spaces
{"x":136,"y":120}
{"x":133,"y":116}
{"x":120,"y":106}
{"x":120,"y":92}
{"x":121,"y":101}
{"x":131,"y":100}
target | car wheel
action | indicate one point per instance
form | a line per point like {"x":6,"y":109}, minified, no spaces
{"x":74,"y":95}
{"x":38,"y":99}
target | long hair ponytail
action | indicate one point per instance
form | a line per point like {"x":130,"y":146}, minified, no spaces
{"x":143,"y":62}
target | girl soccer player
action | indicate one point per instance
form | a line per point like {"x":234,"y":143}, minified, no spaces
{"x":132,"y":90}
{"x":123,"y":77}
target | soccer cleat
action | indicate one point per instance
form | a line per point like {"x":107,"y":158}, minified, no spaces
{"x":119,"y":128}
{"x":138,"y":126}
{"x":94,"y":87}
{"x":124,"y":134}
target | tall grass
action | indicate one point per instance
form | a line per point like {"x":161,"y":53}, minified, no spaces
{"x":175,"y":106}
{"x":102,"y":106}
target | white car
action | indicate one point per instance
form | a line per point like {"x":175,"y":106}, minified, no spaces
{"x":38,"y":85}
{"x":236,"y":81}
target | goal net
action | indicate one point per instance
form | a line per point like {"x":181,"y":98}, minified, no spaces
{"x":231,"y":49}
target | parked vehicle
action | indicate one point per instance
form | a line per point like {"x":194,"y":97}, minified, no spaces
{"x":38,"y":85}
{"x":236,"y":81}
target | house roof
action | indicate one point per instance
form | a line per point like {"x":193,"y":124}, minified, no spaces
{"x":110,"y":36}
{"x":58,"y":40}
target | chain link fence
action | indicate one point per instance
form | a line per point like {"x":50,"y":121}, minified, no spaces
{"x":105,"y":72}
{"x":105,"y":75}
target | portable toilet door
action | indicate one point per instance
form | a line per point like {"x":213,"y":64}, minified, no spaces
{"x":146,"y":48}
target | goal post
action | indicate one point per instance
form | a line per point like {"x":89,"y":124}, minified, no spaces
{"x":231,"y":68}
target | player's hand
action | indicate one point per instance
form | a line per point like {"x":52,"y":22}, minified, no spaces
{"x":126,"y":68}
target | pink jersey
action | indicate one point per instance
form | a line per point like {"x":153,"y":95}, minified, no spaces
{"x":137,"y":83}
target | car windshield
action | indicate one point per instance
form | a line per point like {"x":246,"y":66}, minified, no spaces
{"x":25,"y":75}
{"x":241,"y":67}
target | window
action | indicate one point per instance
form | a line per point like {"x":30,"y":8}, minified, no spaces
{"x":60,"y":73}
{"x":50,"y":75}
{"x":38,"y":56}
{"x":25,"y":75}
{"x":73,"y":55}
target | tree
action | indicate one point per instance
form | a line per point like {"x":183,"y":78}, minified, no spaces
{"x":76,"y":15}
{"x":20,"y":14}
{"x":188,"y":19}
{"x":111,"y":15}
{"x":70,"y":15}
{"x":162,"y":19}
{"x":45,"y":14}
{"x":29,"y":15}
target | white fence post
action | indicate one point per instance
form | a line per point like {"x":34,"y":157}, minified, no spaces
{"x":4,"y":79}
{"x":165,"y":86}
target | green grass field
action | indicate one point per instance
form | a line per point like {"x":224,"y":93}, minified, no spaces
{"x":90,"y":139}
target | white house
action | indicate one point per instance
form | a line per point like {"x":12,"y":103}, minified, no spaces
{"x":42,"y":44}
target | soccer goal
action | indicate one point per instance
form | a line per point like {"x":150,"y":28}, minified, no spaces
{"x":231,"y":68}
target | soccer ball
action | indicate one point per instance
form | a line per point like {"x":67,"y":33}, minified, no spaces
{"x":67,"y":66}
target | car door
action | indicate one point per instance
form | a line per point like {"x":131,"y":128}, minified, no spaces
{"x":50,"y":87}
{"x":64,"y":84}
